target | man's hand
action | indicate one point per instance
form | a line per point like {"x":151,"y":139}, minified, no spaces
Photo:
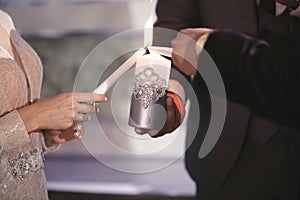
{"x":172,"y":122}
{"x":184,"y":54}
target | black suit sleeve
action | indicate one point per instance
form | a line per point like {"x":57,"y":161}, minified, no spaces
{"x":177,"y":14}
{"x":172,"y":16}
{"x":264,"y":77}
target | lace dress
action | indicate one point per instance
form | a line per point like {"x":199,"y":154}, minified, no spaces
{"x":21,"y":165}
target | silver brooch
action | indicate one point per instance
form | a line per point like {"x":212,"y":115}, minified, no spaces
{"x":149,"y":87}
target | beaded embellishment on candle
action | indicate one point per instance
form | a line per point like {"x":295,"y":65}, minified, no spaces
{"x":149,"y":87}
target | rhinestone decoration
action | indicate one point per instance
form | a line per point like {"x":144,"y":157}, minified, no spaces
{"x":26,"y":162}
{"x":149,"y":87}
{"x":10,"y":129}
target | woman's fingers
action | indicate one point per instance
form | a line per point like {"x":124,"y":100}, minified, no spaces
{"x":81,"y":117}
{"x":86,"y":108}
{"x":60,"y":111}
{"x":79,"y":131}
{"x":87,"y":104}
{"x":89,"y":97}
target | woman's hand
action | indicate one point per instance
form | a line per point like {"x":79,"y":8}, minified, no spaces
{"x":59,"y":112}
{"x":62,"y":136}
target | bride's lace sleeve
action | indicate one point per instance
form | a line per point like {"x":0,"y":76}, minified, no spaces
{"x":13,"y":132}
{"x":54,"y":147}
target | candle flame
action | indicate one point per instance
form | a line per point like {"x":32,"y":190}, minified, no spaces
{"x":148,"y":32}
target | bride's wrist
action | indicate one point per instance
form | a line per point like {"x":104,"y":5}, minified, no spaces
{"x":28,"y":116}
{"x":48,"y":138}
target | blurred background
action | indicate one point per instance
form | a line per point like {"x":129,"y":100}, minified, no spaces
{"x":64,"y":32}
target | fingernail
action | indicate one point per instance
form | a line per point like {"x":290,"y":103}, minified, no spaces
{"x":88,"y":118}
{"x":97,"y":110}
{"x":169,"y":101}
{"x":79,"y":127}
{"x":77,"y":134}
{"x":106,"y":98}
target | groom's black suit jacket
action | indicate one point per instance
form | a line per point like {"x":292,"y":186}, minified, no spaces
{"x":243,"y":16}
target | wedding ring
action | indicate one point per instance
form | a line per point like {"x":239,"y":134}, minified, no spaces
{"x":78,"y":129}
{"x":80,"y":117}
{"x":96,"y":106}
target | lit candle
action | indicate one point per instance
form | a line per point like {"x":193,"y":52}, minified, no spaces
{"x":148,"y":32}
{"x":152,"y":73}
{"x":164,"y":51}
{"x":148,"y":40}
{"x":160,"y":65}
{"x":148,"y":100}
{"x":115,"y":76}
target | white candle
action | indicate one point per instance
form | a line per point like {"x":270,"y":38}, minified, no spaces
{"x":152,"y":74}
{"x":164,"y":51}
{"x":159,"y":64}
{"x":148,"y":32}
{"x":116,"y":75}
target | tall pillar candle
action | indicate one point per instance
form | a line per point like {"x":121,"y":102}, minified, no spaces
{"x":152,"y":74}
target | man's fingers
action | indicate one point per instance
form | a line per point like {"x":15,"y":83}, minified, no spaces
{"x":170,"y":123}
{"x":140,"y":131}
{"x":170,"y":109}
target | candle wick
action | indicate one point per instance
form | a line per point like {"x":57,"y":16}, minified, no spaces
{"x":147,"y":50}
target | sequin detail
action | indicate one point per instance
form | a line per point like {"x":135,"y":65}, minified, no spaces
{"x":149,"y":87}
{"x":25,"y":163}
{"x":9,"y":130}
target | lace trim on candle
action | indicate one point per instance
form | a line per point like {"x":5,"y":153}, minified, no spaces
{"x":149,"y":87}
